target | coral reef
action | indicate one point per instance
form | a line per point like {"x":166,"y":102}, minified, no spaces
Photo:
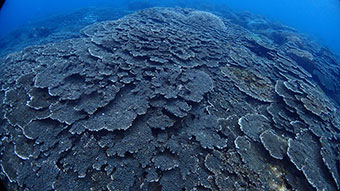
{"x":163,"y":100}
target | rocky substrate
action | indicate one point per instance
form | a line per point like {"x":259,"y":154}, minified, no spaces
{"x":171,"y":99}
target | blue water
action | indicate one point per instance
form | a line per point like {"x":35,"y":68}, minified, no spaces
{"x":319,"y":19}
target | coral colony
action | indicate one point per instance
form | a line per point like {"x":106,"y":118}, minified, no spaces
{"x":171,"y":99}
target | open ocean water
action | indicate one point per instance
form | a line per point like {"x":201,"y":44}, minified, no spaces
{"x":173,"y":95}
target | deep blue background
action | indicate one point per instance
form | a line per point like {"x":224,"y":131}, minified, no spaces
{"x":317,"y":18}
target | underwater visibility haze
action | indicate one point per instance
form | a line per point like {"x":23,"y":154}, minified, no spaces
{"x":317,"y":18}
{"x":170,"y":95}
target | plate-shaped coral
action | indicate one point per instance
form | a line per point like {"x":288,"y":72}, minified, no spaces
{"x":168,"y":99}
